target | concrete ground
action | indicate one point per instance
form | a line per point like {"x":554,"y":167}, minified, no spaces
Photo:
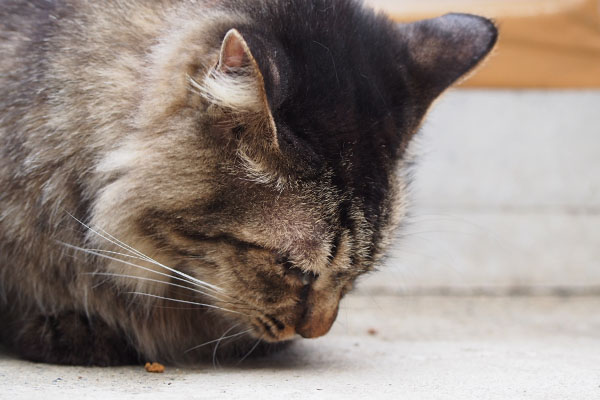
{"x":381,"y":347}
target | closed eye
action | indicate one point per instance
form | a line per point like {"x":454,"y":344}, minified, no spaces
{"x":306,"y":277}
{"x":221,"y":238}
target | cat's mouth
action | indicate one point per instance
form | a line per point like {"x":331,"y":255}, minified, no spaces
{"x":272,"y":329}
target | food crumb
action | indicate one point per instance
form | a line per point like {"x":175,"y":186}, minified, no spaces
{"x":372,"y":331}
{"x":154,"y":367}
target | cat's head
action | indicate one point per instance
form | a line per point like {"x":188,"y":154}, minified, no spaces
{"x":278,"y":174}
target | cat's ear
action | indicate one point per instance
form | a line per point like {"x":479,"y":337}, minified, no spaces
{"x":236,"y":82}
{"x":443,"y":49}
{"x":234,"y":53}
{"x":237,"y":85}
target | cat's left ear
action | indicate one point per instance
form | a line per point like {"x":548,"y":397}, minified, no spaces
{"x":441,"y":50}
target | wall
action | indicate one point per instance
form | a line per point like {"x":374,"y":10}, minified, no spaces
{"x":506,"y":197}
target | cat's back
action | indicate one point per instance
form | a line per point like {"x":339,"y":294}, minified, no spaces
{"x":45,"y":41}
{"x":19,"y":23}
{"x":69,"y":69}
{"x":71,"y":76}
{"x":21,"y":36}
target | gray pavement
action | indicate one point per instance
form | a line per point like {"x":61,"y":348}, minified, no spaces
{"x":381,"y":347}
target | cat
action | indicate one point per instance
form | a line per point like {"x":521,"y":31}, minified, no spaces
{"x":178,"y":175}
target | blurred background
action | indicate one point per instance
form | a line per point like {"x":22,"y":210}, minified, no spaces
{"x":506,"y":197}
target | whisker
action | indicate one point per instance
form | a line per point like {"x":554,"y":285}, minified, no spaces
{"x":100,"y":283}
{"x":124,"y":262}
{"x":238,"y":304}
{"x":214,"y":353}
{"x":170,"y":308}
{"x":157,"y":281}
{"x":114,"y":241}
{"x":142,"y":303}
{"x":139,"y":253}
{"x":115,"y":253}
{"x":219,"y":339}
{"x":235,"y":301}
{"x":251,"y":350}
{"x":126,"y":247}
{"x":187,"y":302}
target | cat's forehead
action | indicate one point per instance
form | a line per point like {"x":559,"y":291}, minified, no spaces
{"x":331,"y":76}
{"x":308,"y":51}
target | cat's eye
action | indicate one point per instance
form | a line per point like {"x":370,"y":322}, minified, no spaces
{"x":282,"y":260}
{"x":291,"y":270}
{"x":287,"y":265}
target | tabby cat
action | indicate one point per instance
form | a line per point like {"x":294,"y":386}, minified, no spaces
{"x":177,"y":174}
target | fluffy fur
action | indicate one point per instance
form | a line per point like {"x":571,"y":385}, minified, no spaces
{"x":176,"y":171}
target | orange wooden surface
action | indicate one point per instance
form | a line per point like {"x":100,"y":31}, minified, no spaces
{"x":543,"y":43}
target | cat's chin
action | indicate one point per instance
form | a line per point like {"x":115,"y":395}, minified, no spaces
{"x":283,"y":337}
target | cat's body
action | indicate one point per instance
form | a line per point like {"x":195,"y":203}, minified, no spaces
{"x":256,"y":148}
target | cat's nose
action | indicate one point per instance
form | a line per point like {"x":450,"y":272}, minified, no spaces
{"x":317,"y":325}
{"x":319,"y":315}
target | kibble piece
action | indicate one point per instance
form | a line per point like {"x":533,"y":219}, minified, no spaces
{"x":155,"y":367}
